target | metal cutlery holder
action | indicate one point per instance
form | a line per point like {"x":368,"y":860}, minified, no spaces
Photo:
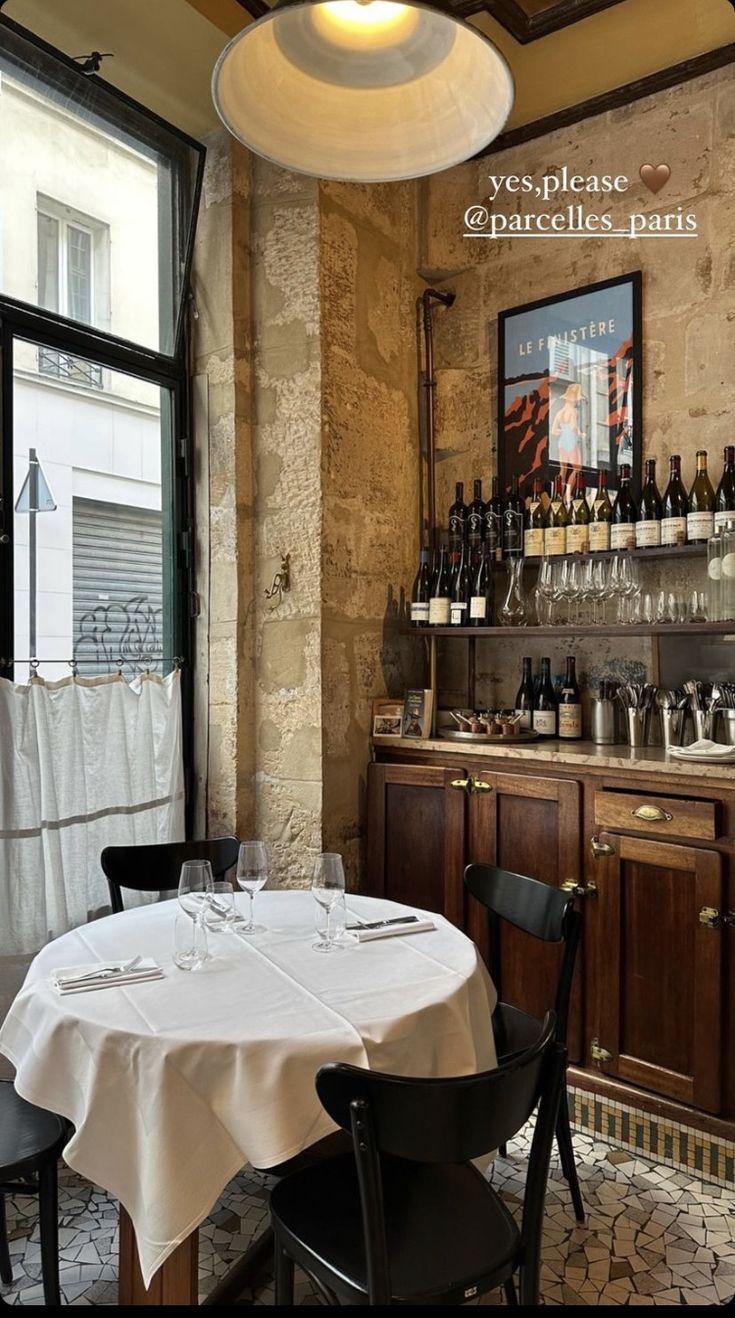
{"x":639,"y":727}
{"x":604,"y":732}
{"x":673,"y":722}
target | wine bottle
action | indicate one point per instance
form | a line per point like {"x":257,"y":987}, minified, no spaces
{"x":674,"y":506}
{"x":421,"y":593}
{"x":725,"y":496}
{"x":578,"y":526}
{"x":555,"y":535}
{"x":457,"y":525}
{"x":600,"y":517}
{"x":544,"y":705}
{"x":475,"y":525}
{"x":494,"y":522}
{"x":439,"y":604}
{"x":701,"y":517}
{"x":482,"y":599}
{"x":648,"y":526}
{"x":513,"y":518}
{"x":460,"y":597}
{"x":524,"y":697}
{"x":624,"y":514}
{"x":570,"y":706}
{"x":533,"y":539}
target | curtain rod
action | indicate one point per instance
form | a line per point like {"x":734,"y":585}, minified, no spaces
{"x":177,"y":660}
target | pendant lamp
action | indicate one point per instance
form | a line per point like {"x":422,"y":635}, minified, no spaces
{"x":362,"y":90}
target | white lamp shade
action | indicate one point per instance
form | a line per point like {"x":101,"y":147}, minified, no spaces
{"x":362,"y":90}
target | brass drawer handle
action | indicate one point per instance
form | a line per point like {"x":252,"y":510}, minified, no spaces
{"x":471,"y":785}
{"x":652,"y":814}
{"x":462,"y":784}
{"x":579,"y":889}
{"x":480,"y":786}
{"x":600,"y":849}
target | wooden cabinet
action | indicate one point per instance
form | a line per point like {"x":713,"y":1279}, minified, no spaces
{"x":654,"y":998}
{"x":660,"y":977}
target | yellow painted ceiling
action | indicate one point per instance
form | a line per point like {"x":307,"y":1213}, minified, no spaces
{"x":165,"y":49}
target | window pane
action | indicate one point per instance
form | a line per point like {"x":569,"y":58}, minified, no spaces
{"x":48,"y":262}
{"x":66,"y":139}
{"x":79,"y":274}
{"x":97,"y":586}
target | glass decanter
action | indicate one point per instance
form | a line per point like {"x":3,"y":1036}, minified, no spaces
{"x":515,"y":610}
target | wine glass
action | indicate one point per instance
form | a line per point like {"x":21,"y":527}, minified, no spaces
{"x":252,"y":875}
{"x":542,"y":592}
{"x":327,"y":886}
{"x":196,"y":886}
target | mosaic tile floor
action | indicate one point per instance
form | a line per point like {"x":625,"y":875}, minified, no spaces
{"x":654,"y":1235}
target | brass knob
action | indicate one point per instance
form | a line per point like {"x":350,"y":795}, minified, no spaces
{"x":579,"y":889}
{"x":600,"y":849}
{"x":652,"y":814}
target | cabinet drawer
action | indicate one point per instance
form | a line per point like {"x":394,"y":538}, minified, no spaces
{"x":640,"y":813}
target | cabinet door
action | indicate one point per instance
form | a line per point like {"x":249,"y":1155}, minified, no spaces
{"x":530,"y":826}
{"x":416,"y":836}
{"x":661,"y":967}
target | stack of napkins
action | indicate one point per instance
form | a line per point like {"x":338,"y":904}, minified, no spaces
{"x":370,"y":930}
{"x":106,"y":974}
{"x":704,"y":750}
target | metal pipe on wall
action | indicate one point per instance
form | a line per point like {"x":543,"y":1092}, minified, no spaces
{"x":431,"y":295}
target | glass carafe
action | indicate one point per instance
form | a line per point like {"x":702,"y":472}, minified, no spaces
{"x":515,"y":610}
{"x":715,"y":548}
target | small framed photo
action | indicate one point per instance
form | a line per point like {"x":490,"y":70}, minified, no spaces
{"x":569,"y":385}
{"x":385,"y":725}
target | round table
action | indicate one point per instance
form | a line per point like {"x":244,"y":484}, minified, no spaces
{"x":174,"y":1084}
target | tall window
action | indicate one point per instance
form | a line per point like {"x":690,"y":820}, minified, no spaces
{"x":97,"y":208}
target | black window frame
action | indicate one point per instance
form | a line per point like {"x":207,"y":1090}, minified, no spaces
{"x":22,"y":320}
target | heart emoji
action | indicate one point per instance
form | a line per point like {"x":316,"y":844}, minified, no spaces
{"x":655,"y":177}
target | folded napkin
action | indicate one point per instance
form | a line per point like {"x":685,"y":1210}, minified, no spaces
{"x":389,"y":929}
{"x":107,"y":974}
{"x":704,"y":749}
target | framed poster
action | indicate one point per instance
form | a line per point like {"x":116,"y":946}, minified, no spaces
{"x":569,"y":385}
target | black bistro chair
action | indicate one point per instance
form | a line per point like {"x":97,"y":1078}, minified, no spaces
{"x":548,"y":914}
{"x":156,"y":867}
{"x":31,"y":1141}
{"x":406,"y":1218}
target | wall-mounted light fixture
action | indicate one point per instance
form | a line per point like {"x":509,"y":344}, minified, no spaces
{"x":362,"y":90}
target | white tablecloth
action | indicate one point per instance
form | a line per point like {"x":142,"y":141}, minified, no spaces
{"x":173,"y":1085}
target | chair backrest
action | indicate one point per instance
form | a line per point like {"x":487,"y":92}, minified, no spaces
{"x":448,"y":1121}
{"x":440,"y":1120}
{"x":536,"y":909}
{"x":156,"y":867}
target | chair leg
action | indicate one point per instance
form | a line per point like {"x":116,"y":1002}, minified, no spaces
{"x":566,"y":1153}
{"x":511,"y":1295}
{"x":284,"y":1273}
{"x":48,"y":1204}
{"x":6,"y":1269}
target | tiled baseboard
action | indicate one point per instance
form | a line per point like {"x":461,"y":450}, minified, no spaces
{"x":671,"y":1144}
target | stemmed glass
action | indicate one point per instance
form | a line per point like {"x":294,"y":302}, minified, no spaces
{"x":196,"y":886}
{"x":252,"y":875}
{"x":599,"y":586}
{"x":327,"y":886}
{"x":543,"y":592}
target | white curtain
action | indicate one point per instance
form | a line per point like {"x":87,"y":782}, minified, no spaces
{"x":85,"y":763}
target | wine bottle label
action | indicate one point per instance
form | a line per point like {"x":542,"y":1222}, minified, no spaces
{"x":456,"y":525}
{"x":544,"y":721}
{"x":721,"y":519}
{"x":647,"y":533}
{"x":474,"y":525}
{"x":700,"y":526}
{"x":674,"y":531}
{"x":570,"y":720}
{"x":599,"y":536}
{"x":578,"y":541}
{"x":512,"y":532}
{"x":456,"y":614}
{"x":478,"y":606}
{"x":555,"y":540}
{"x":533,"y":542}
{"x":419,"y":611}
{"x":622,"y":535}
{"x":439,"y":612}
{"x":525,"y":719}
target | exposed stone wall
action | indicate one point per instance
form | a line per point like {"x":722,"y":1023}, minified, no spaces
{"x":370,"y":481}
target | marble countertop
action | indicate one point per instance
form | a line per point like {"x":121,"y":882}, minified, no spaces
{"x":577,"y":755}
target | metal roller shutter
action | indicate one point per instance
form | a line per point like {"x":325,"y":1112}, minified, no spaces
{"x":118,"y":595}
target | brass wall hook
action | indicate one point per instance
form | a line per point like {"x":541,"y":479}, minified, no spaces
{"x":281,"y":582}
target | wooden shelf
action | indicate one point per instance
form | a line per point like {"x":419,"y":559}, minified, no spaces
{"x":606,"y":629}
{"x":654,"y":552}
